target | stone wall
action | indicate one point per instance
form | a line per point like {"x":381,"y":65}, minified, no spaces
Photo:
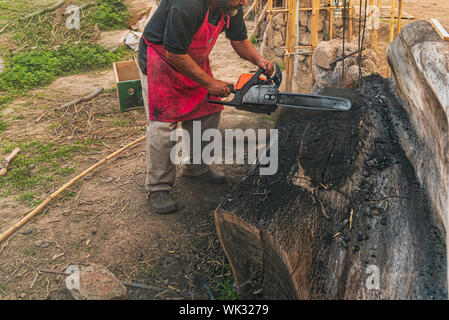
{"x":329,"y":74}
{"x":272,"y":34}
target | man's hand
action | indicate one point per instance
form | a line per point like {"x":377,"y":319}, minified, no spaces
{"x":267,"y":66}
{"x":218,"y":88}
{"x":246,"y":50}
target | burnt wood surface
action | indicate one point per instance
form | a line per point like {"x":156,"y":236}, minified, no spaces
{"x":345,"y":198}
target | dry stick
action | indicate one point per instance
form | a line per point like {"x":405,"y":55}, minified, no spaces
{"x":83,"y":99}
{"x":249,"y":10}
{"x":5,"y":164}
{"x":259,"y":21}
{"x":3,"y":29}
{"x":30,"y":215}
{"x":48,"y":9}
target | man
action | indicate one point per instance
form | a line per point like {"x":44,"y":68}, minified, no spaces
{"x":176,"y":77}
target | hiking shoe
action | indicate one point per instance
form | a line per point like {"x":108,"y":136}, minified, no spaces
{"x":210,"y":177}
{"x":162,"y":202}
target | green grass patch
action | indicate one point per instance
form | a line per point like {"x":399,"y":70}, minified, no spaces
{"x":38,"y":164}
{"x":3,"y":125}
{"x":37,"y":68}
{"x":121,"y":122}
{"x":31,"y":250}
{"x":226,"y":290}
{"x":30,"y":198}
{"x":110,"y":15}
{"x":282,"y":65}
{"x":273,"y":117}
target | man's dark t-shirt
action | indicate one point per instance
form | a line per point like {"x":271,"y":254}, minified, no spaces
{"x":175,"y":22}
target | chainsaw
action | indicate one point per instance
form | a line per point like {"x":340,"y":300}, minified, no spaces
{"x":256,"y":94}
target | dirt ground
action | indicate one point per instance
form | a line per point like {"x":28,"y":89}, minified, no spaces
{"x":105,"y":219}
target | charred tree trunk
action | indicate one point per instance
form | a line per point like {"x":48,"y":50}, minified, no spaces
{"x":343,"y":210}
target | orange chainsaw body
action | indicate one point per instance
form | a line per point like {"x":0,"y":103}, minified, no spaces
{"x":244,"y":78}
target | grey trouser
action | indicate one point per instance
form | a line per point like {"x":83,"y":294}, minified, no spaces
{"x":161,"y":171}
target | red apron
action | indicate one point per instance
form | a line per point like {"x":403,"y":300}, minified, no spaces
{"x":172,"y":96}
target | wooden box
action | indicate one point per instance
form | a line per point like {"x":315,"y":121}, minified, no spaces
{"x":129,"y":87}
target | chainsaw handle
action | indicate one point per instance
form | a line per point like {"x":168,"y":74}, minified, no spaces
{"x":232,"y":88}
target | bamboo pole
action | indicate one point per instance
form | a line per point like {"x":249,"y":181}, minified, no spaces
{"x":270,"y":10}
{"x":314,"y":31}
{"x":35,"y":211}
{"x":372,"y":38}
{"x":393,"y":5}
{"x":376,"y":31}
{"x":331,"y":21}
{"x":400,"y":16}
{"x":250,"y":9}
{"x":291,"y":37}
{"x":351,"y":35}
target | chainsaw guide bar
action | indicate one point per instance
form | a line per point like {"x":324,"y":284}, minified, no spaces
{"x":259,"y":95}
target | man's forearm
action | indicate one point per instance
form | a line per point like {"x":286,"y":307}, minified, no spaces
{"x":185,"y":65}
{"x":247,"y":51}
{"x":188,"y":67}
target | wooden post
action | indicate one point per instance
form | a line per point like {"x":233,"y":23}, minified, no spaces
{"x":350,"y":14}
{"x":314,"y":31}
{"x":393,"y":13}
{"x":371,"y":11}
{"x":270,"y":10}
{"x":331,"y":20}
{"x":291,"y":40}
{"x":393,"y":5}
{"x":376,"y":31}
{"x":400,"y":16}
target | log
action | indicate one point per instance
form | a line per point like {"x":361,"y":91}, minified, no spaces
{"x":419,"y":60}
{"x":344,"y":210}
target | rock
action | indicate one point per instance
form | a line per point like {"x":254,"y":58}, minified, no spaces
{"x":27,"y":232}
{"x":304,"y":38}
{"x":303,"y":18}
{"x":42,"y":244}
{"x":279,"y":52}
{"x":2,"y":66}
{"x":279,"y":20}
{"x":301,"y":57}
{"x":324,"y":54}
{"x":277,"y":38}
{"x":329,"y":51}
{"x":108,"y":180}
{"x":98,"y":283}
{"x":31,"y":166}
{"x":352,"y":74}
{"x":305,"y":4}
{"x":321,"y":76}
{"x":321,"y":19}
